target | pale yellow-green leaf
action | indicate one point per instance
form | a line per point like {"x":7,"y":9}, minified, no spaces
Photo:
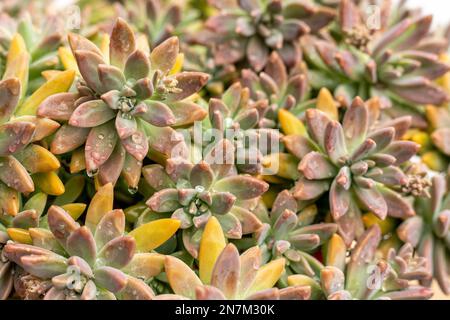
{"x":267,"y":276}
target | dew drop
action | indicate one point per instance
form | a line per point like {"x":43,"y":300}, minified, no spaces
{"x":92,"y":173}
{"x":132,"y":190}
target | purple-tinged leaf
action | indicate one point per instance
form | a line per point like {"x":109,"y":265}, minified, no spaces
{"x":118,"y":252}
{"x":137,"y":65}
{"x":156,"y":113}
{"x":226,"y":272}
{"x":68,"y":138}
{"x":243,"y":187}
{"x":110,"y":279}
{"x":59,"y":106}
{"x":88,"y":63}
{"x":136,"y":145}
{"x":111,"y":77}
{"x":81,"y":243}
{"x":189,"y":83}
{"x":92,"y":113}
{"x":100,"y":145}
{"x":61,"y":224}
{"x":122,"y":43}
{"x":164,"y":56}
{"x":305,"y":189}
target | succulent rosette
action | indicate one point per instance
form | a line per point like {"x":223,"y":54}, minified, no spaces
{"x":122,"y":109}
{"x":396,"y":63}
{"x":160,"y":19}
{"x":223,"y":274}
{"x":97,"y":261}
{"x":193,"y":193}
{"x":428,"y":231}
{"x":248,"y":31}
{"x":236,"y":118}
{"x":356,"y":160}
{"x":365,"y":275}
{"x":278,"y":88}
{"x":289,"y":230}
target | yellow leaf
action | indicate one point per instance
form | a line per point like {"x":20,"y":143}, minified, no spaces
{"x":335,"y":252}
{"x":267,"y":276}
{"x":435,"y":161}
{"x":326,"y":103}
{"x":38,"y":159}
{"x":178,"y":64}
{"x":67,"y":59}
{"x":74,"y":209}
{"x":386,"y":226}
{"x":290,"y":124}
{"x":101,"y":203}
{"x":48,"y":74}
{"x":58,"y":84}
{"x":211,"y":245}
{"x":17,"y":62}
{"x":19,"y":235}
{"x":302,"y":280}
{"x":153,"y":234}
{"x":49,"y":183}
{"x":77,"y":162}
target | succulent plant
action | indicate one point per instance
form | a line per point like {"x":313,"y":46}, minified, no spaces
{"x":356,"y":161}
{"x":248,"y":31}
{"x":160,"y":19}
{"x":122,"y":109}
{"x":236,"y":117}
{"x":40,"y":40}
{"x":439,"y":120}
{"x":224,"y":275}
{"x":21,"y":160}
{"x":395,"y":63}
{"x":193,"y":193}
{"x":259,"y":149}
{"x":366,"y":276}
{"x":278,"y":88}
{"x":428,"y":231}
{"x":94,"y":261}
{"x":289,"y":230}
